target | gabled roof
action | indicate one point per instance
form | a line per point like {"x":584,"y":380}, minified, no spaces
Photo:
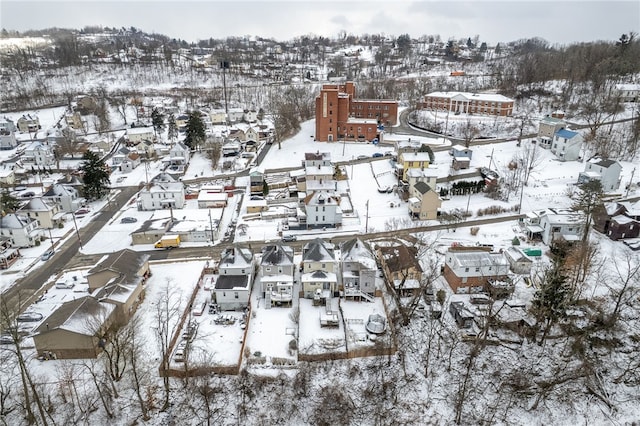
{"x":355,"y":250}
{"x":126,"y":262}
{"x":15,"y":221}
{"x":59,"y":190}
{"x":236,"y":256}
{"x":606,"y":163}
{"x":163,"y":178}
{"x":231,"y":282}
{"x":83,"y":316}
{"x":317,"y":251}
{"x":277,"y":254}
{"x":38,"y":205}
{"x":400,"y":258}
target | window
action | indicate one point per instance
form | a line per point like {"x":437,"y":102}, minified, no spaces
{"x":236,"y":295}
{"x":324,"y":265}
{"x":466,"y":269}
{"x":477,"y":269}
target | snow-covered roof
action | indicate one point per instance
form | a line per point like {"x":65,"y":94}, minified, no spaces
{"x":354,"y":250}
{"x":567,"y":134}
{"x":468,"y":259}
{"x":83,"y":316}
{"x":276,"y":254}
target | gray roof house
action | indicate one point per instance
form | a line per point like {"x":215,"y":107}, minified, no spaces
{"x":276,"y":274}
{"x":233,"y":287}
{"x":605,"y":170}
{"x":21,"y":229}
{"x":359,"y":269}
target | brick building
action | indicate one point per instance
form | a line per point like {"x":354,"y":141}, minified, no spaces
{"x":469,"y":103}
{"x":340,"y":116}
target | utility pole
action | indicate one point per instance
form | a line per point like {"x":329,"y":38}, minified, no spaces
{"x":366,"y":223}
{"x":633,"y":172}
{"x":225,"y":65}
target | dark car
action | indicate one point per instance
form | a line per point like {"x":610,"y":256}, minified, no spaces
{"x":128,"y":220}
{"x":81,"y":212}
{"x":28,"y":194}
{"x":377,"y":155}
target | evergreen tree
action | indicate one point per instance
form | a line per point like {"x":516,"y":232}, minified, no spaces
{"x":157,"y":120}
{"x":95,"y":176}
{"x":588,"y":197}
{"x":8,"y":203}
{"x":551,"y":300}
{"x":172,"y":129}
{"x":195,"y":133}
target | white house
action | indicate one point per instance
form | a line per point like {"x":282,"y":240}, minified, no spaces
{"x":359,"y":269}
{"x":250,"y":116}
{"x":233,"y":287}
{"x":139,"y":134}
{"x":48,"y":213}
{"x":178,"y":159}
{"x":22,"y":230}
{"x":628,"y":92}
{"x":276,"y":274}
{"x":7,"y":139}
{"x":66,"y":196}
{"x":162,"y":192}
{"x":567,"y":145}
{"x":560,"y":224}
{"x":606,"y":171}
{"x":38,"y":155}
{"x":28,"y":123}
{"x":426,"y":175}
{"x":236,"y":115}
{"x":322,"y":208}
{"x":519,"y":261}
{"x":8,"y":125}
{"x":218,"y":116}
{"x":314,"y":159}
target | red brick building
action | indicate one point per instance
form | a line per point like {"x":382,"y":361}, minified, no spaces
{"x":469,"y":103}
{"x":339,"y":116}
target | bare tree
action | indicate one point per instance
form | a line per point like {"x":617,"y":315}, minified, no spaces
{"x":166,"y":321}
{"x":213,"y":151}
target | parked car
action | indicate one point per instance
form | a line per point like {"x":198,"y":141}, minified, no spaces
{"x":6,"y":339}
{"x":362,"y":157}
{"x":27,"y":194}
{"x":257,"y":198}
{"x":377,"y":155}
{"x":29,"y":317}
{"x":47,"y":255}
{"x":289,"y":238}
{"x":81,"y":212}
{"x":128,"y":219}
{"x":65,"y":284}
{"x":20,"y":188}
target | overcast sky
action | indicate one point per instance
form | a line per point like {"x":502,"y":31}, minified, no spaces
{"x":559,"y":21}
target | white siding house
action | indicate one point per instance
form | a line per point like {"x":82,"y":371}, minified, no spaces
{"x":567,"y":145}
{"x":606,"y":171}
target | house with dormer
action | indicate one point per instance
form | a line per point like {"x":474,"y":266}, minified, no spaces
{"x":276,"y":274}
{"x":65,"y":196}
{"x":163,"y":192}
{"x":319,"y":269}
{"x":22,"y":230}
{"x":358,"y":269}
{"x":233,"y":286}
{"x":605,"y":170}
{"x":48,"y":213}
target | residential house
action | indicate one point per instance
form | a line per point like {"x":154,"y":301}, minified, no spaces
{"x":256,"y":181}
{"x":605,"y":170}
{"x":425,"y":205}
{"x":179,"y":154}
{"x":401,"y":268}
{"x":119,"y":279}
{"x":8,"y":254}
{"x":461,"y":314}
{"x":8,"y":140}
{"x":235,"y":115}
{"x":28,"y":123}
{"x":567,"y":145}
{"x":74,"y":120}
{"x":461,"y":157}
{"x":560,"y":224}
{"x":250,"y":116}
{"x":471,"y":270}
{"x":233,"y":287}
{"x":137,"y":135}
{"x":319,"y":269}
{"x":48,"y":213}
{"x":322,"y":208}
{"x":7,"y":175}
{"x":359,"y":269}
{"x":130,"y":162}
{"x":276,"y":274}
{"x":37,"y":154}
{"x":218,"y":116}
{"x":8,"y":125}
{"x":21,"y":229}
{"x":163,"y":192}
{"x":628,"y":92}
{"x":147,"y":149}
{"x":547,"y":129}
{"x":621,"y":227}
{"x":519,"y":262}
{"x":428,"y":176}
{"x":73,"y":330}
{"x":412,"y":160}
{"x":314,"y":159}
{"x":65,"y":196}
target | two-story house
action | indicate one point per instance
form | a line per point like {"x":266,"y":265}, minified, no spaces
{"x":66,"y":196}
{"x":163,"y":192}
{"x":322,"y":209}
{"x":359,"y":269}
{"x":605,"y":170}
{"x":412,"y":160}
{"x":319,"y":269}
{"x":276,"y":274}
{"x":138,"y":134}
{"x":21,"y":229}
{"x":233,"y":286}
{"x":461,"y":157}
{"x":401,"y":268}
{"x":425,"y":203}
{"x":473,"y":270}
{"x":178,"y":159}
{"x":38,"y":155}
{"x":28,"y":123}
{"x":567,"y":145}
{"x":547,"y":129}
{"x":8,"y":140}
{"x":48,"y":213}
{"x":560,"y":225}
